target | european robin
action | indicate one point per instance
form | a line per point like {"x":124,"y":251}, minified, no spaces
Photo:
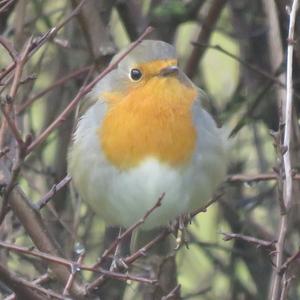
{"x":146,"y":135}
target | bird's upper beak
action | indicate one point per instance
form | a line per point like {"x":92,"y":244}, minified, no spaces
{"x":169,"y":71}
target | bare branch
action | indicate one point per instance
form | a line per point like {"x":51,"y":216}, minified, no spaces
{"x":74,"y":265}
{"x":47,"y":197}
{"x":73,"y":273}
{"x":261,"y":243}
{"x":173,"y":294}
{"x":277,"y":283}
{"x":9,"y":47}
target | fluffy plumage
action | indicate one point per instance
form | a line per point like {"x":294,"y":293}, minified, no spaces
{"x":144,"y":139}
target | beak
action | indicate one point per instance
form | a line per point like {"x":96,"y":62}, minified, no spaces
{"x":169,"y":71}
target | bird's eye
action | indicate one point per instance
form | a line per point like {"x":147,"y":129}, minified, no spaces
{"x":135,"y":74}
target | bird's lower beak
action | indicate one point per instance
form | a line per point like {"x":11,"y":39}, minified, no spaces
{"x":168,"y":71}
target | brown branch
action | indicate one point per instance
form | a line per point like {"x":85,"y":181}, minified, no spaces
{"x":82,"y":92}
{"x":36,"y":44}
{"x":95,"y":32}
{"x":11,"y":183}
{"x":209,"y":203}
{"x":6,"y":5}
{"x":258,"y":242}
{"x":288,"y":261}
{"x":12,"y":125}
{"x":256,"y":177}
{"x":20,"y":62}
{"x":55,"y":188}
{"x":277,"y":283}
{"x":74,"y":265}
{"x":8,"y":109}
{"x":286,"y":282}
{"x":73,"y":273}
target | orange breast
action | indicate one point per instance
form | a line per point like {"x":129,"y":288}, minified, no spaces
{"x":152,"y":120}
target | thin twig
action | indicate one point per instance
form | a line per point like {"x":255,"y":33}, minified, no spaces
{"x":285,"y":286}
{"x":256,"y":177}
{"x":209,"y":203}
{"x":6,"y":5}
{"x":55,"y":188}
{"x":287,"y":156}
{"x":277,"y":283}
{"x":250,"y":239}
{"x":173,"y":294}
{"x":19,"y":68}
{"x":73,"y":273}
{"x":291,"y":259}
{"x":8,"y":109}
{"x":9,"y":47}
{"x":73,"y":264}
{"x":12,"y":125}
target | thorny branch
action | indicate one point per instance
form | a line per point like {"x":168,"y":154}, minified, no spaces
{"x":277,"y":284}
{"x":73,"y":265}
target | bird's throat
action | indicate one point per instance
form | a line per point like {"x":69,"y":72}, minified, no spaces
{"x":153,"y":120}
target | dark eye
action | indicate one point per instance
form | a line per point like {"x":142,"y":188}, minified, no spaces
{"x":135,"y":74}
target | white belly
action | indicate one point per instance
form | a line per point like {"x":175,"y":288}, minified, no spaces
{"x":123,"y":197}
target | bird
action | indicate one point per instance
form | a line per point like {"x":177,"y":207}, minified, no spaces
{"x":146,"y":135}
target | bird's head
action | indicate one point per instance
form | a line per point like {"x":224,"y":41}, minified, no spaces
{"x":151,"y":63}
